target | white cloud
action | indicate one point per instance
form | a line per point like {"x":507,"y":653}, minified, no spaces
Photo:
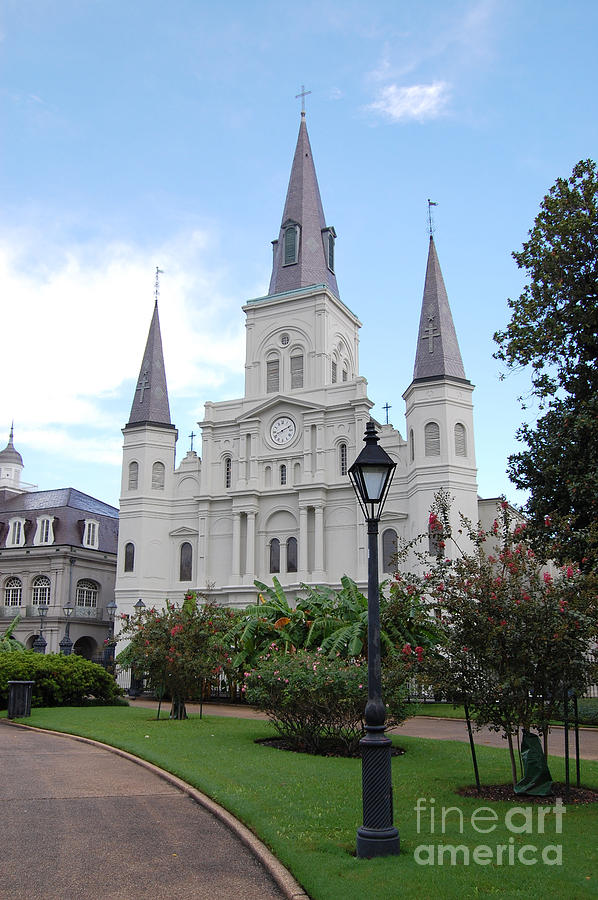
{"x":417,"y":101}
{"x":74,"y":328}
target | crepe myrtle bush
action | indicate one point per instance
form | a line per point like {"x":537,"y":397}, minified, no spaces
{"x":317,"y":702}
{"x":59,"y":680}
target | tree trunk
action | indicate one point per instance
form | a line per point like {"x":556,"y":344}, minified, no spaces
{"x":512,"y":755}
{"x":178,"y":709}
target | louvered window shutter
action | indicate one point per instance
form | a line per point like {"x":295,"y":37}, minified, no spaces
{"x":272,"y":376}
{"x":432,"y":439}
{"x":296,"y":371}
{"x":460,"y":440}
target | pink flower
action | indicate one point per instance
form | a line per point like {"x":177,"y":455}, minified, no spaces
{"x":406,"y":649}
{"x":547,"y":521}
{"x":547,"y":578}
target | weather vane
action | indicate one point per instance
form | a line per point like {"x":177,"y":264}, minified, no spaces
{"x":157,"y":284}
{"x":303,"y":94}
{"x":431,"y":229}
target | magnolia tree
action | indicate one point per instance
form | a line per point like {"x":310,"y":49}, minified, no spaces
{"x":178,"y":648}
{"x":515,"y":635}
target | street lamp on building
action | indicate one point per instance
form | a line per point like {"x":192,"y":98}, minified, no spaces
{"x":371,"y":475}
{"x":66,"y":645}
{"x":109,"y":653}
{"x":39,"y":644}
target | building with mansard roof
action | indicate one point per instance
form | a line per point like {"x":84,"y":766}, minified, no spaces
{"x":270,"y":494}
{"x":56,"y":547}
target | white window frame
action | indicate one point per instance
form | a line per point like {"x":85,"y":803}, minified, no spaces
{"x":91,"y":534}
{"x":16,"y":532}
{"x":13,"y":592}
{"x":44,"y":533}
{"x":86,"y":596}
{"x":41,"y":591}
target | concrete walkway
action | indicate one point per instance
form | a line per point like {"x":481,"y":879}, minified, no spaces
{"x":81,"y":822}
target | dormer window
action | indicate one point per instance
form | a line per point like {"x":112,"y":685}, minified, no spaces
{"x":16,"y":533}
{"x":91,"y":532}
{"x":290,"y":244}
{"x":44,"y":533}
{"x":328,"y":236}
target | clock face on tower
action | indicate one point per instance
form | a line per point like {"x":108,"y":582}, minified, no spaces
{"x":282,"y":430}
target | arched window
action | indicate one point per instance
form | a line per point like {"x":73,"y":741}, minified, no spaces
{"x":333,"y":372}
{"x":129,"y":557}
{"x":228,"y":472}
{"x":268,"y":476}
{"x":283,"y":474}
{"x":186,"y":562}
{"x":292,"y":554}
{"x":13,"y":591}
{"x":291,"y":245}
{"x":296,"y":372}
{"x":460,"y":440}
{"x":297,"y":473}
{"x":133,"y":476}
{"x":342,"y":458}
{"x":345,"y":372}
{"x":87,"y":594}
{"x":158,"y":472}
{"x":274,"y":555}
{"x":432,"y":439}
{"x":389,"y":550}
{"x":411,"y":445}
{"x":41,"y":591}
{"x":272,"y":376}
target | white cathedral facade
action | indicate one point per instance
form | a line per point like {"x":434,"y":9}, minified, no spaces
{"x":270,"y":494}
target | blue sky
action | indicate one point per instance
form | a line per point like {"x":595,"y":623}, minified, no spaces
{"x":141,"y":133}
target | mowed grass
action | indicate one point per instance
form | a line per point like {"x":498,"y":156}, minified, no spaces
{"x":307,"y":809}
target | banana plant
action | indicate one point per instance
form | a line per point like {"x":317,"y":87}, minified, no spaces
{"x":8,"y":643}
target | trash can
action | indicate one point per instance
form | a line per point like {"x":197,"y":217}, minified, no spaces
{"x":19,"y":699}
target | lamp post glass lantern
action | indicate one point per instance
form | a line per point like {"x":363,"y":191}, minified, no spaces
{"x":109,"y":651}
{"x":66,"y":645}
{"x":371,"y":475}
{"x":40,"y":644}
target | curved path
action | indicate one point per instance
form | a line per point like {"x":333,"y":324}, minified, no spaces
{"x":82,"y":822}
{"x":430,"y":727}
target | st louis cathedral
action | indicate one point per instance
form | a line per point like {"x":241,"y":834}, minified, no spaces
{"x":270,"y":494}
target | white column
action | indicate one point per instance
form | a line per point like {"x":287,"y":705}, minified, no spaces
{"x":250,"y":556}
{"x":319,"y":539}
{"x":236,"y":550}
{"x":303,"y":543}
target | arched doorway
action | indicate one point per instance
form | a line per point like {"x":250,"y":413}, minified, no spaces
{"x":86,"y":647}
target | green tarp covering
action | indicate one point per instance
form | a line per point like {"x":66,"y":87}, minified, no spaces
{"x":536,"y":779}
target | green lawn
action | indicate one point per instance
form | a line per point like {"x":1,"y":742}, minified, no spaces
{"x":307,"y":809}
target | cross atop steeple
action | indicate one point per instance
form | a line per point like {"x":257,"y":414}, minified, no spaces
{"x":303,"y":94}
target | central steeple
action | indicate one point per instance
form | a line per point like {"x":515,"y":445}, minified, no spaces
{"x":304,"y":251}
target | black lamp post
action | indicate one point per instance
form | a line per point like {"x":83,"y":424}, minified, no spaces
{"x":39,"y":644}
{"x":134,"y":687}
{"x":66,"y":645}
{"x":109,"y":653}
{"x":371,"y":475}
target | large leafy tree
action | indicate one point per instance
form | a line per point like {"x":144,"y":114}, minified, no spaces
{"x":554,"y":330}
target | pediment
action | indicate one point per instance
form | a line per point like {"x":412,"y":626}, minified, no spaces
{"x":279,"y":400}
{"x":183,"y":531}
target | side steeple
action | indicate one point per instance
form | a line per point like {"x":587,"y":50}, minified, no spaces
{"x":150,"y":403}
{"x":437,"y":354}
{"x":304,"y":251}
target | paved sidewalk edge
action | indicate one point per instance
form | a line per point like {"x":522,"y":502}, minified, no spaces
{"x":281,"y":875}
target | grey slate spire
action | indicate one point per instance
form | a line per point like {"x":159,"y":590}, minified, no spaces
{"x":150,"y":403}
{"x":9,"y":454}
{"x":303,"y":208}
{"x":437,"y":354}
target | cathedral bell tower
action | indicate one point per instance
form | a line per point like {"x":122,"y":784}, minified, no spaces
{"x":440,"y":437}
{"x":147,"y":482}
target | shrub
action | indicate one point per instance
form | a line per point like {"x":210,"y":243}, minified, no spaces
{"x":317,"y":703}
{"x":59,"y":680}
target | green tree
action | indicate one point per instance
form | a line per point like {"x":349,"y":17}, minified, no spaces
{"x":516,"y":635}
{"x":554,"y":330}
{"x":178,"y":648}
{"x":8,"y":643}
